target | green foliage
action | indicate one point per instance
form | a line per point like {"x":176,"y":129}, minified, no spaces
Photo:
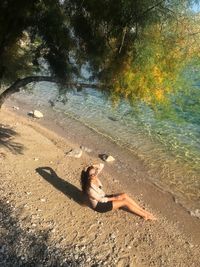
{"x":134,"y":49}
{"x":34,"y":33}
{"x":155,"y":70}
{"x":13,"y":21}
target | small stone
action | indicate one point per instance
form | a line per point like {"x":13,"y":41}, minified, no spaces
{"x":75,"y":153}
{"x":30,"y":113}
{"x":43,"y":200}
{"x":37,"y":114}
{"x":110,"y":159}
{"x":2,"y":249}
{"x":15,"y":108}
{"x":112,"y":236}
{"x":175,"y":200}
{"x":2,"y":155}
{"x":51,"y":102}
{"x":107,"y":158}
{"x":195,"y":213}
{"x":86,"y":149}
{"x":36,"y":159}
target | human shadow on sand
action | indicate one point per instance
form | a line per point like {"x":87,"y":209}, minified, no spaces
{"x":6,"y":139}
{"x":65,"y":187}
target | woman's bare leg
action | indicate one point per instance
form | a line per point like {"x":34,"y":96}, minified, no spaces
{"x":124,"y":203}
{"x":124,"y":196}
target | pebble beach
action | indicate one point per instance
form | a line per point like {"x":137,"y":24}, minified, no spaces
{"x":43,"y":219}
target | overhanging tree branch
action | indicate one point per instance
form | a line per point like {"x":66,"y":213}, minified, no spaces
{"x":151,"y":8}
{"x":18,"y":84}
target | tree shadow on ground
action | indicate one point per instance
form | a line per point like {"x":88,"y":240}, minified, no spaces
{"x":21,"y":244}
{"x":6,"y":136}
{"x":65,"y":187}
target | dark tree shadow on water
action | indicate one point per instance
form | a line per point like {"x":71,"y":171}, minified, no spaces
{"x":21,"y":244}
{"x":60,"y":184}
{"x":6,"y":139}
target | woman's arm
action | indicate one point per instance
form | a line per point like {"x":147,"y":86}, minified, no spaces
{"x":99,"y":167}
{"x":93,"y":194}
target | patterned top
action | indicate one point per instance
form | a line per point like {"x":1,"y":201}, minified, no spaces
{"x":96,"y":194}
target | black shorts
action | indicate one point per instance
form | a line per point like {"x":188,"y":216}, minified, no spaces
{"x":104,"y":206}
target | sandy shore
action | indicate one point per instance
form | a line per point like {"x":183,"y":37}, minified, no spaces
{"x":40,"y":196}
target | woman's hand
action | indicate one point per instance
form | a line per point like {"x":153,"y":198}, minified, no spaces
{"x":99,"y":167}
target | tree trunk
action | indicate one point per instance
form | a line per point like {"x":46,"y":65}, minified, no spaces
{"x":18,"y":84}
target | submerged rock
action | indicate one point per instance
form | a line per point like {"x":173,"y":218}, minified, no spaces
{"x":51,"y":102}
{"x":112,"y":118}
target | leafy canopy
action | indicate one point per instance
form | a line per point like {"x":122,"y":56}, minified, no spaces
{"x":162,"y":55}
{"x":133,"y":49}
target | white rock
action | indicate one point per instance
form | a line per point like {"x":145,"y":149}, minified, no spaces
{"x":112,"y":236}
{"x":86,"y":149}
{"x":108,"y":158}
{"x":15,"y":108}
{"x":75,"y":153}
{"x":195,"y":213}
{"x":37,"y":114}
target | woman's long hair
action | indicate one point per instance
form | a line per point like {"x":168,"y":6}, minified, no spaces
{"x":85,"y":179}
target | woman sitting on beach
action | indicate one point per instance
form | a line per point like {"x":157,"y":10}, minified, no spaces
{"x":101,"y":202}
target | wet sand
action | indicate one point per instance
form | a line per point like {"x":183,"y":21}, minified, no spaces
{"x":173,"y":240}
